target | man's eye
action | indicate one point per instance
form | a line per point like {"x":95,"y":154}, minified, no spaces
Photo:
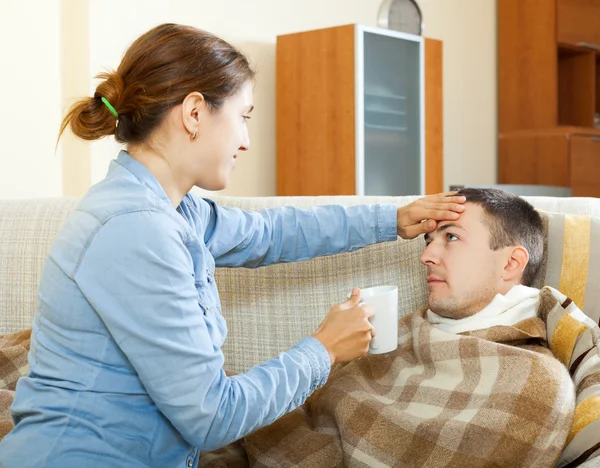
{"x":246,"y":117}
{"x":451,"y":237}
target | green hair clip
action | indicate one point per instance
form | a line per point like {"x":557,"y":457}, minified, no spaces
{"x":110,"y":107}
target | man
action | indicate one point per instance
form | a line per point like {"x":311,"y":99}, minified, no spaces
{"x":472,"y":382}
{"x":498,"y":243}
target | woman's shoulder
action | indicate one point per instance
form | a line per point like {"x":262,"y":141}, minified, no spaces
{"x":110,"y":226}
{"x":123,"y":198}
{"x":122,"y":211}
{"x":129,"y":236}
{"x":201,"y":205}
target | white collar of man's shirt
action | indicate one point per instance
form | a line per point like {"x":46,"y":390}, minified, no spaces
{"x":520,"y":303}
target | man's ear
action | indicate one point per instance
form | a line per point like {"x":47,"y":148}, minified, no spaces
{"x":517,"y":260}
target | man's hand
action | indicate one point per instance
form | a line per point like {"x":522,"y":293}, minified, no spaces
{"x":422,"y":215}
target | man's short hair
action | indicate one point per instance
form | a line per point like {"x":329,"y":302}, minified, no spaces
{"x":512,"y":221}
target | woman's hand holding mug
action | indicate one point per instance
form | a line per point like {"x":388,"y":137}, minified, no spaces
{"x":346,"y":330}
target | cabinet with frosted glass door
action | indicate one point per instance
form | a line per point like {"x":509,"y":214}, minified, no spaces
{"x":359,"y":112}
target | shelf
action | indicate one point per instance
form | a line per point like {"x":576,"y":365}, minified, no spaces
{"x":560,"y":130}
{"x":580,"y":47}
{"x":585,"y":131}
{"x":386,"y":96}
{"x":386,"y":127}
{"x":385,"y":111}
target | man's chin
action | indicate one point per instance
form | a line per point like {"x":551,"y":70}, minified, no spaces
{"x":434,"y":301}
{"x":441,"y":307}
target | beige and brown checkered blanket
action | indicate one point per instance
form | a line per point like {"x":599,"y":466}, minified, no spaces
{"x":13,"y":364}
{"x":489,"y":398}
{"x":494,"y":397}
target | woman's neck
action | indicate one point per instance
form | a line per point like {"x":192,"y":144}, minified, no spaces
{"x":157,"y":162}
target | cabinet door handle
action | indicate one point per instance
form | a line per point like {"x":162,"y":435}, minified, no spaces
{"x":589,"y":45}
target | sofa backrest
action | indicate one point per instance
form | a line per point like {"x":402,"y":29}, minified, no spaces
{"x":27,"y":229}
{"x":572,"y":259}
{"x":267,"y":309}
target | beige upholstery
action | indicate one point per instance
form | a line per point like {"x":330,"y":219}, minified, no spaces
{"x":27,"y":228}
{"x":267,"y":309}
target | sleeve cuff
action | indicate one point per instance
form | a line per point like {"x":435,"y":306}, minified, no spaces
{"x":318,"y":357}
{"x":387,"y":223}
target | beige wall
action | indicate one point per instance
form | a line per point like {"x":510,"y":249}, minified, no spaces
{"x":467,"y":28}
{"x":29,"y":99}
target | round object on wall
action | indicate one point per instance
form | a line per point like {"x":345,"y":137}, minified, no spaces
{"x":401,"y":15}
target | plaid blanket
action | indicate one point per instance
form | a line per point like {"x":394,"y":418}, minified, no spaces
{"x":486,"y":398}
{"x":13,"y":364}
{"x":493,"y":397}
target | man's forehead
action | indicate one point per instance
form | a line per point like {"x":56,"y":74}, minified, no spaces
{"x":456,"y":225}
{"x":443,"y":225}
{"x":470,"y":219}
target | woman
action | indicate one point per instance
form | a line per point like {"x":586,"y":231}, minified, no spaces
{"x":126,"y":361}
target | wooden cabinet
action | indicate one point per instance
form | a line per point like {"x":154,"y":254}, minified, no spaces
{"x":585,"y":165}
{"x":558,"y":157}
{"x":359,"y":112}
{"x":549,"y":93}
{"x":578,"y":22}
{"x":534,"y":158}
{"x":527,"y":64}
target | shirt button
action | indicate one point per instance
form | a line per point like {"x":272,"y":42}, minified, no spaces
{"x":190,"y":462}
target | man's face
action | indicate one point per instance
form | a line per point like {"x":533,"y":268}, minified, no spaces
{"x":463,"y":273}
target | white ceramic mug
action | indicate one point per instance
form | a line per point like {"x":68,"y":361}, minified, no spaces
{"x":384,"y":300}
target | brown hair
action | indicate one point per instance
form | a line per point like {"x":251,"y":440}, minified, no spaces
{"x":512,"y":221}
{"x":157,"y":72}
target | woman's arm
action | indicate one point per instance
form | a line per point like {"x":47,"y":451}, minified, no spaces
{"x":139,"y":276}
{"x":287,"y":234}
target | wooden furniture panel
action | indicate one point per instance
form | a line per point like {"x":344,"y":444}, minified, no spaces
{"x":577,"y":88}
{"x":316,"y":105}
{"x":526,"y":51}
{"x":548,"y":93}
{"x":534,"y":159}
{"x":315,"y":80}
{"x":434,"y":117}
{"x":578,"y":22}
{"x":585,"y":166}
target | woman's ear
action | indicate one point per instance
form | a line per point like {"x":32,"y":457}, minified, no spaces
{"x":517,"y":260}
{"x":193,"y":105}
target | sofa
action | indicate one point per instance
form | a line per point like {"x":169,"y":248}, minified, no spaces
{"x":270,"y":308}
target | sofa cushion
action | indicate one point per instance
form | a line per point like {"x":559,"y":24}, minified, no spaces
{"x":27,"y":229}
{"x":575,"y":341}
{"x":269,"y":309}
{"x":572,"y":259}
{"x":572,"y":265}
